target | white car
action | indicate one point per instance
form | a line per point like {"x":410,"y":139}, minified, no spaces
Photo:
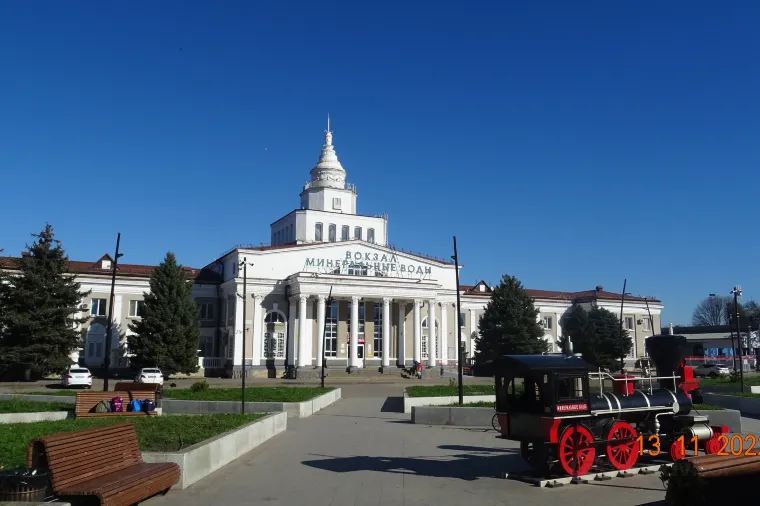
{"x":711,"y":369}
{"x":150,"y":375}
{"x":77,"y":377}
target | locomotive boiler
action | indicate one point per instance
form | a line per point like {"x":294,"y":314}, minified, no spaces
{"x":556,"y":406}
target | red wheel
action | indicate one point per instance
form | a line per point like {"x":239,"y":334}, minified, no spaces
{"x":576,"y":450}
{"x":677,"y":451}
{"x":622,"y":456}
{"x":712,"y":446}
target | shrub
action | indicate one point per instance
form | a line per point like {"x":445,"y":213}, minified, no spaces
{"x":199,"y":386}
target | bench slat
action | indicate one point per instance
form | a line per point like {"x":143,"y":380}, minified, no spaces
{"x":86,"y":402}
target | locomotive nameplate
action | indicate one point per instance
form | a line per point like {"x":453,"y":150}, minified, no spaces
{"x":577,"y":406}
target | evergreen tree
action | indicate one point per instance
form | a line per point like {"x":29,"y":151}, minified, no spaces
{"x":168,"y":334}
{"x":39,"y":307}
{"x":576,"y":327}
{"x":597,"y":336}
{"x":509,"y":324}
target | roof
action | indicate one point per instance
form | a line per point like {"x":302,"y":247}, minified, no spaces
{"x":521,"y":363}
{"x":122,"y":270}
{"x":582,"y":296}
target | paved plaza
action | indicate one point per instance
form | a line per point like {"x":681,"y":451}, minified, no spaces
{"x":360,"y":452}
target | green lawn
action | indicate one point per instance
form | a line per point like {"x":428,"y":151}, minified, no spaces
{"x":258,"y":394}
{"x":749,"y":379}
{"x":481,"y":404}
{"x":446,"y":390}
{"x":19,"y":406}
{"x":159,"y":433}
{"x":738,"y":394}
{"x":62,"y":393}
{"x":705,"y":407}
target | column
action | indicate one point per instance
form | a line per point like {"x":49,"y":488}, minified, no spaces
{"x":304,"y":357}
{"x":401,"y":337}
{"x":431,"y":333}
{"x":444,"y":333}
{"x":353,"y":357}
{"x":417,"y":331}
{"x":256,"y":346}
{"x":320,"y":329}
{"x":291,"y":346}
{"x":116,"y":333}
{"x":386,"y":333}
{"x":473,"y":328}
{"x":237,"y":357}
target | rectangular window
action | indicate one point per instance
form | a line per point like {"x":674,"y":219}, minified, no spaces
{"x":331,"y":330}
{"x":646,"y":324}
{"x":629,"y":322}
{"x":461,"y":319}
{"x":357,"y":232}
{"x":136,"y":308}
{"x":98,"y":307}
{"x":344,"y":233}
{"x":206,"y":310}
{"x":357,"y":270}
{"x":332,"y":233}
{"x":317,"y":233}
{"x":547,"y":322}
{"x":377,"y":318}
{"x":570,"y":387}
{"x":371,"y":235}
{"x":336,"y":203}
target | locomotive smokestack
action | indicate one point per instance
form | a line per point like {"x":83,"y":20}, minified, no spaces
{"x":667,"y":351}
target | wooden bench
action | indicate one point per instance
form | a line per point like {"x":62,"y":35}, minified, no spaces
{"x":104,"y":463}
{"x":86,"y":402}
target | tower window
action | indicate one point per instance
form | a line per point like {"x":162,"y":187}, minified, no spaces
{"x":332,"y":232}
{"x":344,"y":233}
{"x":371,"y":235}
{"x":318,"y":232}
{"x":357,"y":232}
{"x":336,"y":203}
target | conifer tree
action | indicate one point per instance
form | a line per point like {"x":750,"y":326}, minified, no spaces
{"x":509,"y":324}
{"x":168,"y":334}
{"x":597,"y":336}
{"x":39,"y":308}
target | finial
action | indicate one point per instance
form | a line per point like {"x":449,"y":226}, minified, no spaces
{"x":328,"y":121}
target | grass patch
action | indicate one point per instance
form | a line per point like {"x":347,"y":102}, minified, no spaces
{"x":738,"y":394}
{"x":705,"y":407}
{"x":481,"y":404}
{"x":59,"y":393}
{"x":260,"y":394}
{"x":447,"y":390}
{"x":19,"y":406}
{"x":155,"y":433}
{"x":749,"y":379}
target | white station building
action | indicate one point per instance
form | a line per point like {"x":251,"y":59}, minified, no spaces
{"x":382,"y":299}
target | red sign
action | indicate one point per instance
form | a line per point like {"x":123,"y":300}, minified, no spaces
{"x":564,"y":408}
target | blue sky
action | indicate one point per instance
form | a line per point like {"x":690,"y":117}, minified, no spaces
{"x":572,"y":144}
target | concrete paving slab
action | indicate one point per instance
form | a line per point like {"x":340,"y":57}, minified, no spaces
{"x":354,"y":453}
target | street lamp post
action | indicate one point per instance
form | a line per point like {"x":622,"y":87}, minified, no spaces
{"x":737,"y":291}
{"x":460,"y":345}
{"x":110,"y":313}
{"x":244,"y":264}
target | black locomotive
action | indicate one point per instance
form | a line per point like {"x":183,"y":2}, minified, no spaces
{"x":556,"y":406}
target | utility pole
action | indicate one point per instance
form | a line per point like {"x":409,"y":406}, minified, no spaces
{"x":737,"y":291}
{"x":459,"y":327}
{"x":110,"y":313}
{"x":244,"y":264}
{"x":328,"y":303}
{"x":622,"y":329}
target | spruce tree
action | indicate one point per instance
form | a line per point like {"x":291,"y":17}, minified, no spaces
{"x":40,"y":304}
{"x":168,"y":334}
{"x":509,"y":324}
{"x":597,"y":336}
{"x":576,"y":328}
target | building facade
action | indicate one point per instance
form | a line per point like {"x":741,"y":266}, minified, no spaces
{"x":329,"y":287}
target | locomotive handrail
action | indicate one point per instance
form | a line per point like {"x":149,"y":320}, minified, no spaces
{"x":605,"y":375}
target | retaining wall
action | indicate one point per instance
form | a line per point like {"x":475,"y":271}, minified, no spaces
{"x":41,"y":416}
{"x":410,"y":402}
{"x":466,"y":417}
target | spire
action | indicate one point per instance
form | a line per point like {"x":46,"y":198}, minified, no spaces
{"x":328,"y":171}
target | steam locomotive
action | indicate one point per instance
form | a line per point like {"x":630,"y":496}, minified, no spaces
{"x":556,"y":407}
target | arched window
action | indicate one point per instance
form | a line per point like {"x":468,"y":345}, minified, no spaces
{"x":424,"y":340}
{"x":318,"y":232}
{"x":275,"y":330}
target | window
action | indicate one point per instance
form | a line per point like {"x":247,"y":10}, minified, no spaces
{"x":206,"y":345}
{"x":331,"y":330}
{"x":377,"y":318}
{"x":206,"y":310}
{"x":569,"y":387}
{"x":344,"y":233}
{"x":274,"y":335}
{"x":318,"y":232}
{"x":357,"y":232}
{"x":371,"y":235}
{"x":424,"y":340}
{"x":629,"y":322}
{"x":98,"y":307}
{"x":136,"y":308}
{"x":336,"y":203}
{"x":332,"y":233}
{"x":461,"y":319}
{"x":547,"y":322}
{"x":646,"y":324}
{"x":357,"y":270}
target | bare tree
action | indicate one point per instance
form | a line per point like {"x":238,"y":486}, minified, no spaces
{"x":712,"y":311}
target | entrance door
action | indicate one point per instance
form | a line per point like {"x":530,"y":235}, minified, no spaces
{"x":360,"y":353}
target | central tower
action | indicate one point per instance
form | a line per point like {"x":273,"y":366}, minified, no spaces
{"x":328,"y":189}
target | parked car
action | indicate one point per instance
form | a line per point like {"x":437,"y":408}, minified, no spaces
{"x":711,"y":369}
{"x":77,"y":377}
{"x":150,"y":375}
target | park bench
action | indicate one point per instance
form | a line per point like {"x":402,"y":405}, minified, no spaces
{"x":103,"y":463}
{"x":86,"y":402}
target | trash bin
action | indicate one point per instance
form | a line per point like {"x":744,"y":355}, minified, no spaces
{"x":24,"y":485}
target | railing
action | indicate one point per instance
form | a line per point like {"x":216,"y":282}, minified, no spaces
{"x":210,"y":362}
{"x":601,"y":376}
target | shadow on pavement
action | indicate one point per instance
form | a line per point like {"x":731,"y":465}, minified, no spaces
{"x":393,"y":405}
{"x":480,"y":449}
{"x":463,"y":466}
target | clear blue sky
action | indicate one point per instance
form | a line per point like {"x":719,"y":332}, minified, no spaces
{"x":572,"y":144}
